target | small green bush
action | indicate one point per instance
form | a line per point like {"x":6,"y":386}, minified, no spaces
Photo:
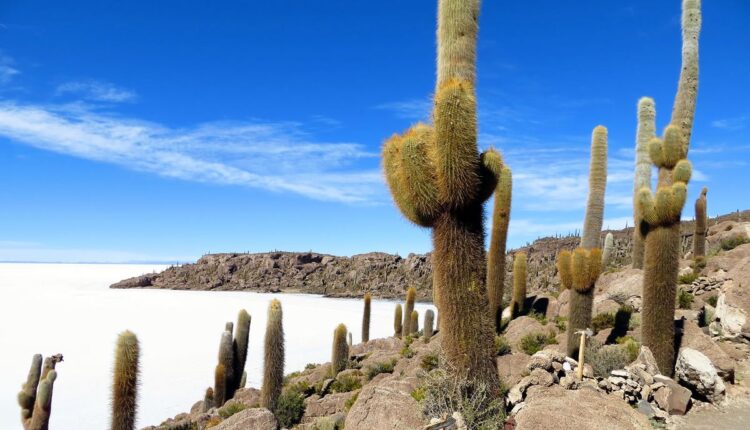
{"x":230,"y":408}
{"x":375,"y":369}
{"x":309,"y":366}
{"x":418,"y":394}
{"x":538,"y":316}
{"x":429,"y":362}
{"x":345,"y":384}
{"x":688,"y":278}
{"x":350,"y":401}
{"x":502,"y":347}
{"x":561,"y":323}
{"x":602,"y":321}
{"x":712,"y":300}
{"x":733,"y":242}
{"x":407,"y":352}
{"x":604,"y":359}
{"x":290,"y":408}
{"x":684,"y":299}
{"x":632,"y":346}
{"x":535,"y":342}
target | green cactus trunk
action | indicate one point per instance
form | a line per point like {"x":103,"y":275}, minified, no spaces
{"x":43,"y":404}
{"x":564,"y":270}
{"x":701,"y":228}
{"x":585,"y":268}
{"x":273,"y":358}
{"x":499,"y":237}
{"x":239,"y":345}
{"x":339,"y":350}
{"x":429,"y":321}
{"x":518,"y":303}
{"x":609,"y":249}
{"x":398,"y":322}
{"x":645,"y":132}
{"x":220,"y":385}
{"x":125,"y":382}
{"x":592,"y":224}
{"x":35,"y":397}
{"x":226,"y":359}
{"x":411,"y":295}
{"x":366,"y":319}
{"x":414,"y":322}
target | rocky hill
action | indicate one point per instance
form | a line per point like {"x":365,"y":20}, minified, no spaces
{"x":383,"y":275}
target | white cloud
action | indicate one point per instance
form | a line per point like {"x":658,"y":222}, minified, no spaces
{"x":17,"y":251}
{"x":269,"y":156}
{"x":736,"y":123}
{"x":7,"y":69}
{"x":414,"y":109}
{"x":96,"y":91}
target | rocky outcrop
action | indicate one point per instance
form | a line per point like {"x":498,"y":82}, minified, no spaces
{"x":255,"y":418}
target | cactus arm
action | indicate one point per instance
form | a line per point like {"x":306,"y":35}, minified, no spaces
{"x":458,"y":25}
{"x":645,"y":132}
{"x":683,"y":111}
{"x":498,"y":241}
{"x":592,"y":225}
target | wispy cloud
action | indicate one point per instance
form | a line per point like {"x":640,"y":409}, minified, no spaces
{"x":543,"y":227}
{"x":7,"y":69}
{"x":18,"y":251}
{"x":95,"y":90}
{"x":271,"y":156}
{"x":731,"y":124}
{"x":414,"y":109}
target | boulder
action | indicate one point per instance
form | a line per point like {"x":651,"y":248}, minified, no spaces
{"x":520,"y":327}
{"x":386,"y":405}
{"x":693,"y":337}
{"x":623,"y":287}
{"x":563,"y":302}
{"x":671,"y":396}
{"x":511,"y":367}
{"x":316,"y":406}
{"x":695,"y":370}
{"x":253,"y":418}
{"x":555,"y":408}
{"x":730,"y":320}
{"x":606,"y":306}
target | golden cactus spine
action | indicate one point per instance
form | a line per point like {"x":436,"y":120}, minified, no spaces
{"x":592,"y":224}
{"x":273,"y":357}
{"x":439,"y":180}
{"x":411,"y":295}
{"x":220,"y":385}
{"x":609,"y":249}
{"x":35,"y":397}
{"x":701,"y":227}
{"x":125,"y":382}
{"x":429,"y":325}
{"x":519,"y":284}
{"x":339,"y":350}
{"x":398,"y":322}
{"x":498,"y":240}
{"x":564,"y":270}
{"x":585,"y":267}
{"x":366,"y":319}
{"x":645,"y":132}
{"x":661,"y":212}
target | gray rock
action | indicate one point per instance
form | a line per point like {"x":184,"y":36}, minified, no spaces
{"x":695,"y":370}
{"x":252,"y":418}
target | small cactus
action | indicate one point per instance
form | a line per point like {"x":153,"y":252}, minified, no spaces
{"x":366,"y":319}
{"x":339,"y":351}
{"x":519,"y":284}
{"x":564,"y":270}
{"x":125,"y":385}
{"x":226,"y":359}
{"x":411,"y":294}
{"x":220,"y":385}
{"x":429,"y":322}
{"x":208,"y":400}
{"x":35,"y":397}
{"x":701,"y":228}
{"x":414,"y":322}
{"x":273,"y":359}
{"x":397,"y":322}
{"x":609,"y":247}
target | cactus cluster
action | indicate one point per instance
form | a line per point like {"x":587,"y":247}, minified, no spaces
{"x":439,"y":180}
{"x":230,"y":369}
{"x":518,"y":303}
{"x":583,"y":267}
{"x":366,"y":319}
{"x":701,"y":228}
{"x":35,"y":397}
{"x":273,"y":357}
{"x":645,"y":132}
{"x":339,"y":350}
{"x":498,"y":240}
{"x":125,"y":382}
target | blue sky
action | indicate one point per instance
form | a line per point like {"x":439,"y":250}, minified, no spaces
{"x":164,"y":130}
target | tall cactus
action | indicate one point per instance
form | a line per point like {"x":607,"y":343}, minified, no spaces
{"x":439,"y":180}
{"x":645,"y":132}
{"x":609,"y":248}
{"x":661,"y":212}
{"x":701,"y":228}
{"x":585,"y":267}
{"x":411,"y":295}
{"x":226,"y":360}
{"x":239,"y":347}
{"x":518,"y":302}
{"x":499,"y":237}
{"x":592,"y":224}
{"x":564,"y":270}
{"x":398,"y":326}
{"x":35,"y":397}
{"x":125,"y":382}
{"x":339,"y":350}
{"x":366,"y":319}
{"x":429,"y":325}
{"x":273,"y":357}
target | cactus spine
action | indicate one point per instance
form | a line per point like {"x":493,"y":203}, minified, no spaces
{"x":439,"y":180}
{"x":366,"y":319}
{"x":273,"y":357}
{"x":701,"y":228}
{"x":125,"y":382}
{"x":414,"y":322}
{"x":592,"y":224}
{"x":226,"y":360}
{"x":609,"y":247}
{"x":35,"y":397}
{"x":411,"y":294}
{"x":564,"y":270}
{"x":429,"y":321}
{"x":496,"y":256}
{"x":519,"y":284}
{"x":220,"y":385}
{"x":585,"y":266}
{"x":661,"y":212}
{"x":239,"y":349}
{"x":645,"y":132}
{"x":397,"y":322}
{"x":339,"y":351}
